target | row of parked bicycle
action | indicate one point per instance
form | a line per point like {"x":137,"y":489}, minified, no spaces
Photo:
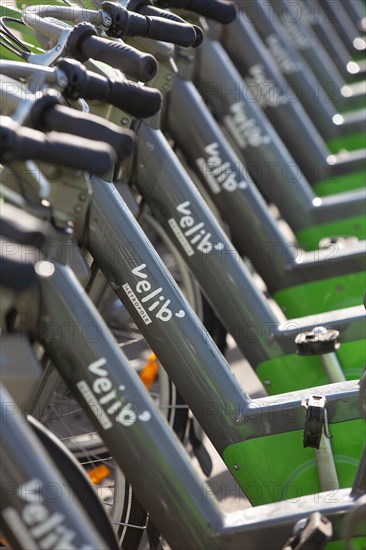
{"x":158,"y":158}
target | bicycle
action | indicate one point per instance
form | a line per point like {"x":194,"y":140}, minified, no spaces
{"x":153,"y":428}
{"x":114,"y":223}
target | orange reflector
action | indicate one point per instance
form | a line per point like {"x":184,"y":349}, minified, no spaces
{"x":96,"y":475}
{"x":150,"y":371}
{"x":3,"y":542}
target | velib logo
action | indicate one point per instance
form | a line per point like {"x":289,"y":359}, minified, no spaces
{"x":279,"y":54}
{"x":244,"y":129}
{"x":265,"y":91}
{"x":192,"y":234}
{"x":219,"y":174}
{"x":147,"y":300}
{"x":35,"y":526}
{"x":106,"y":401}
{"x":295,"y":32}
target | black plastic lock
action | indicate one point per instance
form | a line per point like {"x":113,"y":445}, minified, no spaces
{"x":317,"y":341}
{"x":315,"y":421}
{"x":314,"y":535}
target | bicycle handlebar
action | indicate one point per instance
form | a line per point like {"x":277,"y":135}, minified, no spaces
{"x":136,"y":100}
{"x":146,"y":8}
{"x":19,"y":226}
{"x":219,"y":10}
{"x":83,"y":43}
{"x":19,"y":143}
{"x":128,"y":23}
{"x":16,"y":274}
{"x":47,"y":114}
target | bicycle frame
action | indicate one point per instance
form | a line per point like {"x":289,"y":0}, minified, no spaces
{"x":102,"y":226}
{"x":276,"y":98}
{"x":120,"y":249}
{"x":86,"y":361}
{"x":164,"y":197}
{"x":159,"y":186}
{"x":132,"y":434}
{"x":328,"y":211}
{"x":247,"y":309}
{"x":272,"y":167}
{"x":314,"y":16}
{"x":298,"y":74}
{"x":342,"y":24}
{"x":356,"y":14}
{"x":290,"y":192}
{"x":310,"y":48}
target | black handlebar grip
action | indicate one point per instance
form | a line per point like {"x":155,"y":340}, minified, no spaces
{"x":21,"y":227}
{"x":128,"y":23}
{"x":16,"y":274}
{"x":138,"y":65}
{"x":83,"y":44}
{"x":139,"y":101}
{"x":166,"y":30}
{"x":145,"y":8}
{"x":219,"y":10}
{"x":47,"y":115}
{"x":19,"y":143}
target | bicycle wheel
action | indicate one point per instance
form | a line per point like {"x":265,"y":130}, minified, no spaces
{"x":77,"y":479}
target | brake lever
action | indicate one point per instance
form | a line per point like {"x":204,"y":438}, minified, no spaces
{"x":51,"y":56}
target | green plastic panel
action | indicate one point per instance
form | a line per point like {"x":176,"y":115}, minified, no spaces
{"x":277,"y":467}
{"x":322,"y":295}
{"x":340,"y":184}
{"x":351,"y":142}
{"x":357,"y":544}
{"x":295,"y":372}
{"x":352,"y":227}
